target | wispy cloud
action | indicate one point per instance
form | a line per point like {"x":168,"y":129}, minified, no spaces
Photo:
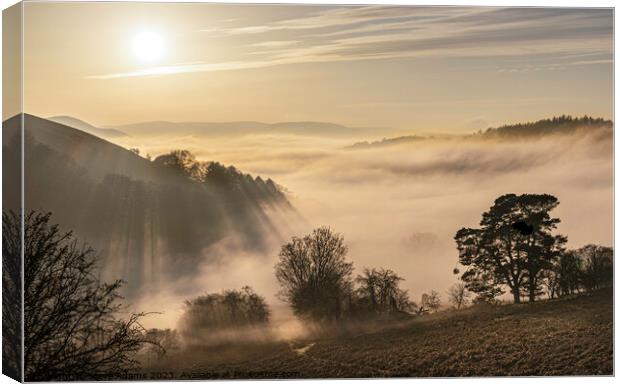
{"x":184,"y":68}
{"x":363,"y":33}
{"x":275,"y":44}
{"x":335,"y":17}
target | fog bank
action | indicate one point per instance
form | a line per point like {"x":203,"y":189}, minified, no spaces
{"x":399,"y":206}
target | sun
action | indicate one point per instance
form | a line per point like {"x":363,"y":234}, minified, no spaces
{"x":148,"y":46}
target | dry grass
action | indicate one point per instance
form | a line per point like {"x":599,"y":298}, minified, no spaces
{"x":570,"y":336}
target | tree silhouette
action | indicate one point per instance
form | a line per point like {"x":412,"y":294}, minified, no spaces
{"x":11,"y":295}
{"x":315,"y":276}
{"x":564,"y":276}
{"x":72,"y":324}
{"x":180,"y":160}
{"x":458,"y":295}
{"x":598,"y":268}
{"x":513,"y":247}
{"x":369,"y":289}
{"x":217,"y":311}
{"x":227,"y":180}
{"x":558,"y":124}
{"x":430,"y":302}
{"x":163,"y":341}
{"x":379,"y":292}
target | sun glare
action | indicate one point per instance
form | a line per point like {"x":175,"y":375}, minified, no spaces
{"x":148,"y":46}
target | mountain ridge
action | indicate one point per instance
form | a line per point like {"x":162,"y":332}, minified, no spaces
{"x":307,"y":128}
{"x":560,"y":125}
{"x":76,"y":123}
{"x":148,"y":219}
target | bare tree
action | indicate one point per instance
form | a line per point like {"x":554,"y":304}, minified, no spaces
{"x":563,"y":278}
{"x":380,"y":293}
{"x":73,"y":327}
{"x":315,"y":276}
{"x":431,"y":302}
{"x":163,"y":341}
{"x":458,"y":295}
{"x":598,"y":267}
{"x":11,"y":296}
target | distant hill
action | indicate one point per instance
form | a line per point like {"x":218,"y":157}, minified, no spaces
{"x":386,"y":142}
{"x":149,"y":220}
{"x":556,"y":125}
{"x":302,"y":128}
{"x":562,"y":125}
{"x":86,"y":127}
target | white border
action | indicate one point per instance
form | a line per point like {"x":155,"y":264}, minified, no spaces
{"x":526,"y":3}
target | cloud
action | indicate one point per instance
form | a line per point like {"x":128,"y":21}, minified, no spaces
{"x":183,"y":68}
{"x":379,"y":33}
{"x":275,"y":44}
{"x":338,"y":16}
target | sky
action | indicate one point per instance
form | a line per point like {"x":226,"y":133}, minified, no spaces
{"x":425,"y":69}
{"x":419,"y":69}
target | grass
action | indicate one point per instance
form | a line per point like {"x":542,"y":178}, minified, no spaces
{"x":568,"y":336}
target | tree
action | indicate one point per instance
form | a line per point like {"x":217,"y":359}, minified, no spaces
{"x":179,"y":160}
{"x":483,"y":283}
{"x":431,"y":302}
{"x":458,"y":295}
{"x":73,"y":328}
{"x":379,"y":292}
{"x":234,"y":184}
{"x":597,"y":266}
{"x":230,"y":309}
{"x":315,"y":276}
{"x":513,"y":247}
{"x":163,"y":341}
{"x":11,"y":295}
{"x":563,"y":277}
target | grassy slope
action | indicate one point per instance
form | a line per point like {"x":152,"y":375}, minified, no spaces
{"x":572,"y":336}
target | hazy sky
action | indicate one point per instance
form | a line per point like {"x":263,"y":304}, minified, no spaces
{"x":438,"y":68}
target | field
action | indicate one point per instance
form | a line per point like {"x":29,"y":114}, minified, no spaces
{"x":568,"y":336}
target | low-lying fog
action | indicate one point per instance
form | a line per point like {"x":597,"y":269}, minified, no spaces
{"x":398,"y":207}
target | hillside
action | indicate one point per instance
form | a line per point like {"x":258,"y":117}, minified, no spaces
{"x":240,"y":128}
{"x":86,"y":127}
{"x":149,"y":221}
{"x":555,"y":125}
{"x":563,"y":125}
{"x":571,"y":336}
{"x":386,"y":142}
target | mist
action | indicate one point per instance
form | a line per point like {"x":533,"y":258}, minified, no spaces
{"x":398,"y":207}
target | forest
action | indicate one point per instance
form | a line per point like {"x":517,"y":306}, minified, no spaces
{"x":77,"y":326}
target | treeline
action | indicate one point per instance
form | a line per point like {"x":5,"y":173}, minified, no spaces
{"x":317,"y":281}
{"x":587,"y":268}
{"x":564,"y":124}
{"x":387,"y":141}
{"x":225,"y":179}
